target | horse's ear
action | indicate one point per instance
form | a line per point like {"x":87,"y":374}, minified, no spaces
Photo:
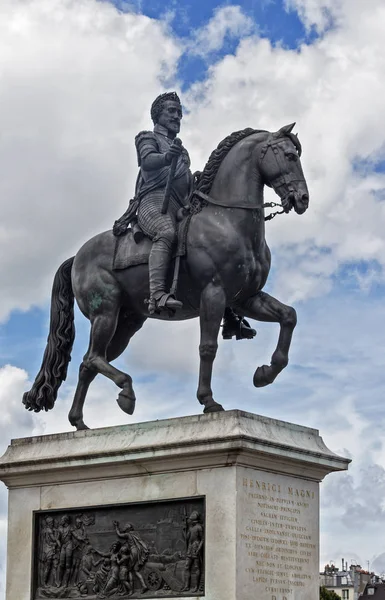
{"x":284,"y":130}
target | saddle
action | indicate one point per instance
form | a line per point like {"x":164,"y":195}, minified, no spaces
{"x":132,"y":250}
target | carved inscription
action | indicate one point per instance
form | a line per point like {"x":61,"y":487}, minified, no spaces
{"x":146,"y":550}
{"x":279,"y":536}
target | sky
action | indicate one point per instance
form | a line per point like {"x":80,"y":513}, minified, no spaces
{"x":77,"y":79}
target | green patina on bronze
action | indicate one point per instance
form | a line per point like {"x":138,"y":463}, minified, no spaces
{"x":95,"y":301}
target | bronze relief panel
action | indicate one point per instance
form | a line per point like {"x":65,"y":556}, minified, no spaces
{"x":137,"y":550}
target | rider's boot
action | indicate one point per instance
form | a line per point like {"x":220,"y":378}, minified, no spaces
{"x":234,"y":325}
{"x":158,"y":264}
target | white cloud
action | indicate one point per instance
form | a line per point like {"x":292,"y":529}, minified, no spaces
{"x":228,"y":22}
{"x":318,"y":13}
{"x":12,"y":384}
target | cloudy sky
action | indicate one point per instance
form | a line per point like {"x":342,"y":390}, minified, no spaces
{"x":77,"y":78}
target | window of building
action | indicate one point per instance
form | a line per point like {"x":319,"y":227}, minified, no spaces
{"x":345,"y":594}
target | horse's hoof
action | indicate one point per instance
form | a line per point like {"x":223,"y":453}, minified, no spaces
{"x":213,"y":407}
{"x":126,"y":402}
{"x":78,"y":423}
{"x":81,"y":426}
{"x":262,"y":376}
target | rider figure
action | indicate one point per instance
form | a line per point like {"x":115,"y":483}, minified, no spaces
{"x":156,"y":150}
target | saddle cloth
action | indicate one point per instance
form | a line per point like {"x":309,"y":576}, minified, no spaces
{"x":129,"y":254}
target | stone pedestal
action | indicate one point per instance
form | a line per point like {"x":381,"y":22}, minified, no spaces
{"x":257,"y":477}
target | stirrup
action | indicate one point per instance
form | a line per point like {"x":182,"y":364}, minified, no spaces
{"x":238,"y":328}
{"x":164,"y":301}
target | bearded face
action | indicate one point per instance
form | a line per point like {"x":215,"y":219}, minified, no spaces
{"x":171,"y":116}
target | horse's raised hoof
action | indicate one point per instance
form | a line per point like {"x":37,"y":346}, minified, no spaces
{"x":212,"y":406}
{"x":264,"y":376}
{"x":126,"y":401}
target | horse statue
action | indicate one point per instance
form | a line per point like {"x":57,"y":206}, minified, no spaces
{"x":226,"y":263}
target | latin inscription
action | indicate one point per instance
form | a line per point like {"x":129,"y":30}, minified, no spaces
{"x":278,"y":545}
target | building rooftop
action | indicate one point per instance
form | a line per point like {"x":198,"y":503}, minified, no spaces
{"x":373,"y":591}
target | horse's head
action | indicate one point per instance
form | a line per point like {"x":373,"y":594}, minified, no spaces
{"x":280,"y":166}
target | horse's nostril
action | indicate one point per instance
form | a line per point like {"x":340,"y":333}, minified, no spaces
{"x":305,"y":197}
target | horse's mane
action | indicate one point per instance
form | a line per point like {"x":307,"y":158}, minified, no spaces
{"x":207,"y":176}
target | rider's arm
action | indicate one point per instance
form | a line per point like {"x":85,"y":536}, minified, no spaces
{"x":149,"y":157}
{"x":155,"y":161}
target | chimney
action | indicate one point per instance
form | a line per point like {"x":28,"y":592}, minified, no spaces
{"x":343,"y":564}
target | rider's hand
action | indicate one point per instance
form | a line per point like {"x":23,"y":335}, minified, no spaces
{"x":174,"y":151}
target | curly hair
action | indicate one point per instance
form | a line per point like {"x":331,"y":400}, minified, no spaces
{"x":157,"y":105}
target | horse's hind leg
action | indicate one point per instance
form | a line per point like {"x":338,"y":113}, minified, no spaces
{"x":212,"y":307}
{"x":263,"y":307}
{"x":128,"y":324}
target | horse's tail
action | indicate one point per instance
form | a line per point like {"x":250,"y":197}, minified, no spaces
{"x":60,"y":339}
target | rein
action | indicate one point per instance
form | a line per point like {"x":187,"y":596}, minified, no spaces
{"x":211,"y":200}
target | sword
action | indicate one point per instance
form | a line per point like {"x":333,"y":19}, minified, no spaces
{"x":171,"y":175}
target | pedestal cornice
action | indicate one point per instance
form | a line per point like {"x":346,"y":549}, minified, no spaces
{"x":200,"y":441}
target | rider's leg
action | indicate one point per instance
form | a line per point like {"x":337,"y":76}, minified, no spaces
{"x":159,"y":261}
{"x":235,"y":325}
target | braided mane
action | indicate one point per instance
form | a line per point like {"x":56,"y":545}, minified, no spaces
{"x":207,"y":176}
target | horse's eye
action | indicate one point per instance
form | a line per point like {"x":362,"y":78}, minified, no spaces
{"x":291,"y":156}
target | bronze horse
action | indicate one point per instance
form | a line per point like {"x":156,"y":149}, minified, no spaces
{"x":226,"y":264}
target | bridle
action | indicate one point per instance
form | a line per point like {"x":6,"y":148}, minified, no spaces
{"x":287,"y":179}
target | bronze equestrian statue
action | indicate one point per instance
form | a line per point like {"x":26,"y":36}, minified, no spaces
{"x":225,"y":261}
{"x":160,"y":182}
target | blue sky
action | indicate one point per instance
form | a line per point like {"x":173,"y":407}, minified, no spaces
{"x":271,"y":19}
{"x":68,"y":167}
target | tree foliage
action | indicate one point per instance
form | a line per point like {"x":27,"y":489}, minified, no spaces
{"x":328,"y":594}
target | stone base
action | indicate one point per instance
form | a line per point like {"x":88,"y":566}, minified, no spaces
{"x":259,"y":479}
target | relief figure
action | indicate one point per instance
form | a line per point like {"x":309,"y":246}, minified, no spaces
{"x":113,"y":575}
{"x":50,"y":548}
{"x":194,"y":552}
{"x":65,"y":541}
{"x":126,"y":579}
{"x":80,"y":540}
{"x":138,"y":550}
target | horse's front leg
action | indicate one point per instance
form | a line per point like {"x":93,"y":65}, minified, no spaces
{"x":263,"y":307}
{"x":212,"y":307}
